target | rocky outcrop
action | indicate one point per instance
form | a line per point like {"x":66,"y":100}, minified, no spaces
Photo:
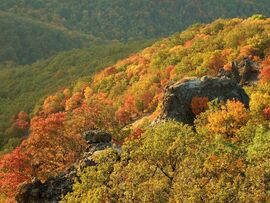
{"x":50,"y":191}
{"x":95,"y":137}
{"x":178,"y":96}
{"x":55,"y":187}
{"x":245,"y":73}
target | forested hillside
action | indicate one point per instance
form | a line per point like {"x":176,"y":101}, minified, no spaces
{"x":23,"y":86}
{"x":132,"y":19}
{"x":222,"y":157}
{"x":24,"y":41}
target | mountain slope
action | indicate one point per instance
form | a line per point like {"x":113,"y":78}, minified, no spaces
{"x":222,"y":157}
{"x":132,"y":19}
{"x":23,"y":86}
{"x":24,"y":41}
{"x":133,"y":88}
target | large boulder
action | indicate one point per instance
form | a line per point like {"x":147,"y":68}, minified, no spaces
{"x":178,"y":96}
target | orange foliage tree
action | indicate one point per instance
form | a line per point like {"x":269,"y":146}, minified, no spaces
{"x":124,"y":113}
{"x":216,"y":62}
{"x":96,"y":113}
{"x":265,"y":74}
{"x":227,"y":120}
{"x":52,"y":104}
{"x":74,"y":102}
{"x":67,"y":93}
{"x":50,"y":146}
{"x":246,"y":51}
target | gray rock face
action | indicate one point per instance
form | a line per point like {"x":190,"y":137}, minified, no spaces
{"x":178,"y":96}
{"x":95,"y":136}
{"x":245,"y":73}
{"x":52,"y":190}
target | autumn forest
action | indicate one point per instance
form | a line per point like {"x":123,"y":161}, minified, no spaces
{"x":134,"y":101}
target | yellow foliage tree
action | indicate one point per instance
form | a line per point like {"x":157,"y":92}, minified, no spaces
{"x":227,"y":119}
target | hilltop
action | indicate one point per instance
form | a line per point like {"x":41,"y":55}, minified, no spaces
{"x":24,"y":40}
{"x":132,"y":19}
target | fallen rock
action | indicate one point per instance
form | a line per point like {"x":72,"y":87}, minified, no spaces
{"x":178,"y":96}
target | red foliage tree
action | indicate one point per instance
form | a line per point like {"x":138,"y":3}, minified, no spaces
{"x":168,"y":71}
{"x":20,"y":125}
{"x":266,"y":113}
{"x":164,"y":82}
{"x":98,"y":113}
{"x":23,"y":121}
{"x":147,"y":98}
{"x":15,"y":169}
{"x":109,"y":71}
{"x":124,"y":114}
{"x":51,"y":147}
{"x":135,"y":134}
{"x":265,"y":71}
{"x":199,"y":104}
